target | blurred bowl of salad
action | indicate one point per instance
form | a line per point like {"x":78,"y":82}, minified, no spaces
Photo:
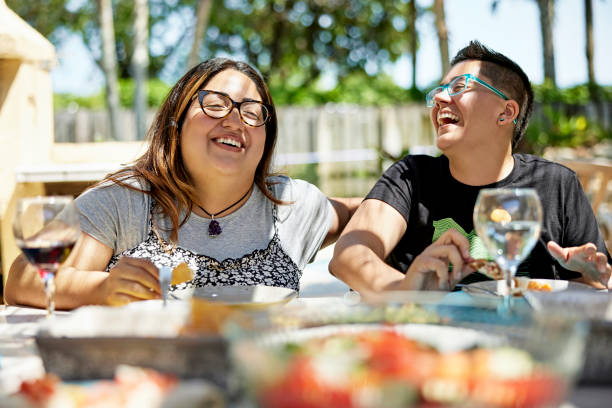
{"x":405,"y":355}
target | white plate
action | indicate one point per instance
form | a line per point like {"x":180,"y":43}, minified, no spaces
{"x":495,"y":288}
{"x":245,"y":296}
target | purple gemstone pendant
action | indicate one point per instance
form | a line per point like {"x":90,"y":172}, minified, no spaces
{"x":214,"y":229}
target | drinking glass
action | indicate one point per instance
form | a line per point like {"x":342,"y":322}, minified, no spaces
{"x":509,"y":222}
{"x":46,"y":229}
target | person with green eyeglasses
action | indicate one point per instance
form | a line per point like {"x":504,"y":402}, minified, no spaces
{"x":417,"y":220}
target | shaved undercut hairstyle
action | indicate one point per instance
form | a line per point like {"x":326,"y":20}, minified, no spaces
{"x":505,"y":75}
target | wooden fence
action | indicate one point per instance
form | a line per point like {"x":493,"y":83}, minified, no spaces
{"x":337,"y":147}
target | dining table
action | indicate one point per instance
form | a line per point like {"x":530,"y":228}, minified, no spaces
{"x":20,"y":359}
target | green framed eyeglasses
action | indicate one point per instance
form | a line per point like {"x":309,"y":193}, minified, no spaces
{"x":458,"y":85}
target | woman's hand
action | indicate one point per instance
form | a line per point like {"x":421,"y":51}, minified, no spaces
{"x":430,"y":270}
{"x":131,"y":279}
{"x":586,"y":260}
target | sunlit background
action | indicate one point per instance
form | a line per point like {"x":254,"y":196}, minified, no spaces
{"x":513,"y":28}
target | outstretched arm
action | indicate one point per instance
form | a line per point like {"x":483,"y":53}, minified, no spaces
{"x":585,"y":259}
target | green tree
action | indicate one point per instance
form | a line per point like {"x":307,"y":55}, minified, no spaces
{"x":202,"y":17}
{"x":546,"y":10}
{"x":442,"y":31}
{"x":109,"y":65}
{"x":55,"y":18}
{"x":294,"y":42}
{"x":140,"y":61}
{"x":547,"y":15}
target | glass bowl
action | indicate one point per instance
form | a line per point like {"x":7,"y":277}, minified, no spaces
{"x":400,"y":355}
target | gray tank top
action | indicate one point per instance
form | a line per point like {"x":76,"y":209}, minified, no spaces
{"x":270,"y":266}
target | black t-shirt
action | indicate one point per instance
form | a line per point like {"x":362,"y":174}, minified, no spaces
{"x":423,"y":190}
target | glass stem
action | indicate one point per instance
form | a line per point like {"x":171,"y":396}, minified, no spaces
{"x":509,"y":275}
{"x":49,"y":282}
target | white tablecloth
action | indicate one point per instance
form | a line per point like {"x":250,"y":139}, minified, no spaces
{"x":19,"y":358}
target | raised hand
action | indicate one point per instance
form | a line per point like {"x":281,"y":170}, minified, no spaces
{"x":586,"y":260}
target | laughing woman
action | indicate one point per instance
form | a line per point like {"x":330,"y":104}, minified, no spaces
{"x":203,"y":193}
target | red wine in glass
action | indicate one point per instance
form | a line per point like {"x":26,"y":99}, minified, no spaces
{"x":46,"y":229}
{"x":46,"y":256}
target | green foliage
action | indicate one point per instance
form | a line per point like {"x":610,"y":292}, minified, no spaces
{"x":293,"y":40}
{"x":67,"y":101}
{"x":576,"y":95}
{"x":157,"y":91}
{"x":49,"y":15}
{"x":356,"y":88}
{"x":359,"y":88}
{"x":306,"y":172}
{"x":295,"y":44}
{"x":298,"y":40}
{"x":561,"y":119}
{"x":54,"y":19}
{"x":554,"y":127}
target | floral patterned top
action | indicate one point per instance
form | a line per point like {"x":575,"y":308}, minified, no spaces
{"x":270,"y":266}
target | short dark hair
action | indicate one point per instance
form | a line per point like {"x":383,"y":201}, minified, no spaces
{"x":505,"y":75}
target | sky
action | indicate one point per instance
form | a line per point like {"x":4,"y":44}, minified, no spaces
{"x":513,"y":30}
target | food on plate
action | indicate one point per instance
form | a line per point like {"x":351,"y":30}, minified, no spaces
{"x":521,"y":284}
{"x":40,"y":390}
{"x":539,"y":286}
{"x":488,"y":268}
{"x":383,"y":368}
{"x":500,"y":215}
{"x":131,"y":387}
{"x":211,"y":317}
{"x":181,"y":274}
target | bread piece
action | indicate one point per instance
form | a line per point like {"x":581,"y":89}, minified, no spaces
{"x":181,"y":274}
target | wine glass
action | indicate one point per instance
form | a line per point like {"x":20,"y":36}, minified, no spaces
{"x":46,"y":229}
{"x":508,"y":221}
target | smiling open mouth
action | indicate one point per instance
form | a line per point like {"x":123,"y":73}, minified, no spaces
{"x":447,"y":118}
{"x":229,"y":142}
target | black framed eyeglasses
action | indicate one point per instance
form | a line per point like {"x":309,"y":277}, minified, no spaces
{"x":218,"y":105}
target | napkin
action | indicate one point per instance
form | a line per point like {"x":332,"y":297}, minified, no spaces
{"x":137,"y":319}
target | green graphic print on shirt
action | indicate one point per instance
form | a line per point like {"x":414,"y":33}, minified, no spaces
{"x":477,"y":248}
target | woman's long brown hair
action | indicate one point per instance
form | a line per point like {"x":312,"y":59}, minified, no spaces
{"x":162,"y":165}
